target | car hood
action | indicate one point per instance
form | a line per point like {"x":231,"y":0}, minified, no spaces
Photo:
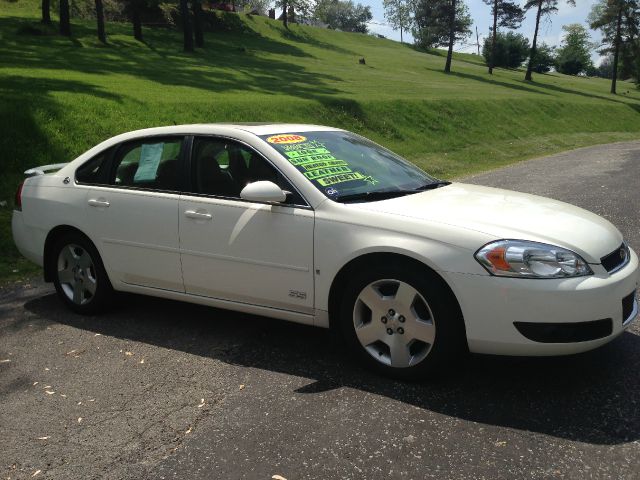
{"x":505,"y":214}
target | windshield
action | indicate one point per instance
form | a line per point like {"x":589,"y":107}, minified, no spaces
{"x":345,"y":166}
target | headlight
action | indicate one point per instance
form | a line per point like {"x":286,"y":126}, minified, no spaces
{"x":519,"y":258}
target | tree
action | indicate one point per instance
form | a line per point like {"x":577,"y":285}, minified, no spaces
{"x":618,"y":21}
{"x":198,"y":33}
{"x":544,"y":8}
{"x":65,"y":23}
{"x":344,"y":15}
{"x":285,"y":14}
{"x":134,"y":10}
{"x":574,"y":54}
{"x":46,"y":12}
{"x":186,"y":26}
{"x":261,"y":6}
{"x":439,"y":23}
{"x":605,"y":69}
{"x":545,"y":58}
{"x":289,"y":7}
{"x":507,"y":14}
{"x":508,"y":50}
{"x":398,"y":14}
{"x":102,"y":36}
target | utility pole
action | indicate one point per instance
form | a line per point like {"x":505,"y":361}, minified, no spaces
{"x":478,"y":40}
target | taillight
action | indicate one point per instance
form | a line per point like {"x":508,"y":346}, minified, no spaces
{"x":18,"y":200}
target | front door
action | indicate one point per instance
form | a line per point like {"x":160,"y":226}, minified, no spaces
{"x":254,"y":253}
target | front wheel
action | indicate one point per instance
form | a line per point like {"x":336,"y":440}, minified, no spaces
{"x":402,"y":321}
{"x":79,"y":276}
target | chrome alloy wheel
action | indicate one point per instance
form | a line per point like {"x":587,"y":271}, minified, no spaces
{"x":77,"y":274}
{"x":394,"y":323}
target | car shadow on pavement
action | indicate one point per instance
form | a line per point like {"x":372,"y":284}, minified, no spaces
{"x":591,"y":397}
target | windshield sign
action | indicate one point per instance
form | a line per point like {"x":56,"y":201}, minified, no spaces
{"x":344,"y":165}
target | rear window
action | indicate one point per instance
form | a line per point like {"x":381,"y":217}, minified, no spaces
{"x":90,"y":171}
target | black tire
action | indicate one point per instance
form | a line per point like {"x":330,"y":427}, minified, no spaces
{"x":92,"y":302}
{"x":449,"y":345}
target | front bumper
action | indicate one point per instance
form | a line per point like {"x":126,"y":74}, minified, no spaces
{"x":492,"y":305}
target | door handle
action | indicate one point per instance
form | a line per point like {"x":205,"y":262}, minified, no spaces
{"x":198,"y":215}
{"x":98,"y":203}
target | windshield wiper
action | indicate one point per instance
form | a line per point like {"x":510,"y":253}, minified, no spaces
{"x":385,"y":194}
{"x":373,"y":196}
{"x":433,"y":185}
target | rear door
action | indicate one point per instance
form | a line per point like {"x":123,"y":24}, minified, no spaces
{"x":134,"y":216}
{"x":248,"y":252}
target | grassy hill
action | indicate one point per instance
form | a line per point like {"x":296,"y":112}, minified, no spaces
{"x":60,"y":96}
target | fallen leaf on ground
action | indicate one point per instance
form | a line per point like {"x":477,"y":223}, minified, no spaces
{"x":92,"y":399}
{"x":278,"y":477}
{"x":44,"y":438}
{"x":35,"y":383}
{"x":128,"y":354}
{"x":5,"y":360}
{"x":79,"y":403}
{"x":201,"y":403}
{"x":241,"y":387}
{"x":70,"y":352}
{"x":48,"y":386}
{"x":46,"y":369}
{"x":141,"y":361}
{"x":37,"y":472}
{"x":501,"y":444}
{"x":188,"y":431}
{"x":63,"y":395}
{"x":49,"y":392}
{"x":98,"y":335}
{"x":79,"y":419}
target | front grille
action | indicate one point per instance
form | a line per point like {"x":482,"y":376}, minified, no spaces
{"x":616,"y":259}
{"x":627,"y":306}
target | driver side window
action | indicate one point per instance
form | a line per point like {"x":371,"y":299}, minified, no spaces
{"x":222,"y":167}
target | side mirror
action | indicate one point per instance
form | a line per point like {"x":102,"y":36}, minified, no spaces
{"x":263,"y":191}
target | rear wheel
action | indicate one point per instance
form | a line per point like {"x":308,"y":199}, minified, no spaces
{"x":79,"y":276}
{"x":402,"y":321}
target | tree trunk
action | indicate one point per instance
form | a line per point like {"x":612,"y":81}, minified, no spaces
{"x":65,"y":24}
{"x":616,"y":54}
{"x":46,"y":12}
{"x":532,"y":54}
{"x":136,"y":21}
{"x":197,"y":23}
{"x":493,"y":37}
{"x":401,"y":35}
{"x":102,"y":36}
{"x":186,"y":26}
{"x":285,"y":15}
{"x":452,"y":36}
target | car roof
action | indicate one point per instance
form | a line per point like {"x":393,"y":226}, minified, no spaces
{"x":214,"y":128}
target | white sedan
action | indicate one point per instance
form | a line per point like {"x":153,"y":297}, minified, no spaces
{"x":321,"y":226}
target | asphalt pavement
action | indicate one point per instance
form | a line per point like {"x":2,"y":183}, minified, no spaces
{"x":164,"y":390}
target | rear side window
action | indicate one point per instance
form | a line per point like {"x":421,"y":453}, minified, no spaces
{"x":90,"y":172}
{"x":152,"y":163}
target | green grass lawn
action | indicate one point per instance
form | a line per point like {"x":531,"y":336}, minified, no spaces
{"x":60,"y":96}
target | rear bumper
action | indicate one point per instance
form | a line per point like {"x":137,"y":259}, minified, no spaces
{"x":572,"y":314}
{"x":26,"y":239}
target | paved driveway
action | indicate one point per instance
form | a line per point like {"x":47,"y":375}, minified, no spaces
{"x":159,"y":389}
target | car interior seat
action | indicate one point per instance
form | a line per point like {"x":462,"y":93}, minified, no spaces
{"x":210,"y":177}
